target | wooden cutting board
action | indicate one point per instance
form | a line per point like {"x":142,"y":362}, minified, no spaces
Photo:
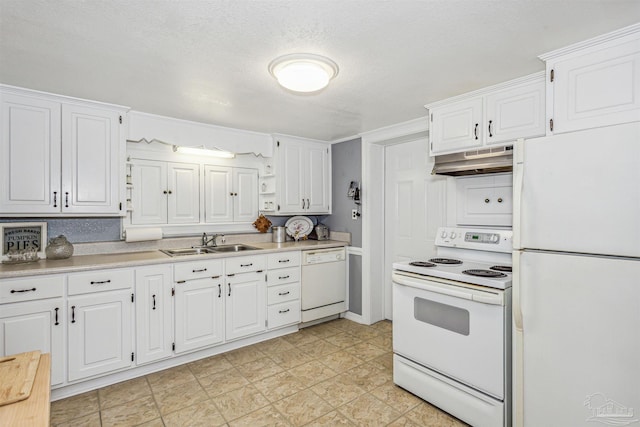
{"x":17,"y":373}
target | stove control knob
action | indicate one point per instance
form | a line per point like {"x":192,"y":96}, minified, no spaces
{"x":494,"y":238}
{"x":453,"y":234}
{"x":443,"y":234}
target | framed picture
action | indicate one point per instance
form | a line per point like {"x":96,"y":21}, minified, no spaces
{"x":18,"y":236}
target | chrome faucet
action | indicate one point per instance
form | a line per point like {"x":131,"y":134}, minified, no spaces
{"x":206,"y":240}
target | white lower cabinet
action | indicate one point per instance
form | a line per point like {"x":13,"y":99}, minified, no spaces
{"x":31,"y":318}
{"x":283,"y":289}
{"x":199,"y":305}
{"x":245,"y":304}
{"x":154,"y":313}
{"x":35,"y":325}
{"x":100,"y":323}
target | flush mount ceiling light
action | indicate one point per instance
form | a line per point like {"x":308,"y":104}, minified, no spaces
{"x":303,"y":72}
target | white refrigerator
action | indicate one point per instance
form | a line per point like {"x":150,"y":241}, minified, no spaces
{"x":576,"y":281}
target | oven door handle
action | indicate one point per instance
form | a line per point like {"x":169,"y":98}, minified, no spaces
{"x":484,"y":297}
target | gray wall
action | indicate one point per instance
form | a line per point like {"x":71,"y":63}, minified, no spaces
{"x":346,"y":164}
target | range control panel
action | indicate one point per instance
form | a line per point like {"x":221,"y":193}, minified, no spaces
{"x":493,"y":240}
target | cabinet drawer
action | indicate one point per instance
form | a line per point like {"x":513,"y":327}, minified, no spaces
{"x":282,"y":293}
{"x":197,"y":269}
{"x":101,"y":280}
{"x":283,"y":259}
{"x":31,"y":288}
{"x":283,"y":314}
{"x":284,"y":275}
{"x":244,"y":264}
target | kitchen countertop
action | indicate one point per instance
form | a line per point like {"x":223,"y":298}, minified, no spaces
{"x":133,"y":259}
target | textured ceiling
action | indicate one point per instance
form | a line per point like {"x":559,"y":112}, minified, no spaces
{"x":207,"y":60}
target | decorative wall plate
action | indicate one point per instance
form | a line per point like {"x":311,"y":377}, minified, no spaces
{"x":299,"y":227}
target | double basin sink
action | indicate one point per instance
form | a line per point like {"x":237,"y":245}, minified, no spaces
{"x":201,"y":250}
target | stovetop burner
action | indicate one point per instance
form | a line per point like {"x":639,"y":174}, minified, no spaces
{"x":448,"y":261}
{"x":484,"y":273}
{"x":505,"y":268}
{"x":422,"y":264}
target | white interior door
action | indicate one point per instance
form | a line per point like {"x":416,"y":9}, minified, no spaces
{"x":415,"y":206}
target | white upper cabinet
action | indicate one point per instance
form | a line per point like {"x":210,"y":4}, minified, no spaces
{"x":30,"y":146}
{"x":514,"y":113}
{"x":594,"y":83}
{"x":165,"y":193}
{"x":303,"y":176}
{"x":493,"y":116}
{"x":456,"y":126}
{"x":230,"y":194}
{"x":60,"y":155}
{"x":92,"y":160}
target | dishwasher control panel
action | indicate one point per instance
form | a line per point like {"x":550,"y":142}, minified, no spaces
{"x":324,"y":255}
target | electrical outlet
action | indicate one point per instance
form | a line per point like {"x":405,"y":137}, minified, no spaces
{"x":354,"y":213}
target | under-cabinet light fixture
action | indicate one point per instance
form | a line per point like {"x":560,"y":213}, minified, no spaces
{"x":303,"y":72}
{"x":201,"y":151}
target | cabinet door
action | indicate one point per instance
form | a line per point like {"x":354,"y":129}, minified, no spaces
{"x":456,"y":126}
{"x":199,"y":313}
{"x":597,"y":89}
{"x":154,"y":313}
{"x":29,"y":155}
{"x":100,"y":339}
{"x":245,"y":198}
{"x":92,"y":156}
{"x":184,"y":194}
{"x":35,"y":325}
{"x":485,"y":200}
{"x":218,"y":190}
{"x":515,"y":113}
{"x":290,"y":171}
{"x":317,"y":179}
{"x":149,"y":198}
{"x":245,"y":304}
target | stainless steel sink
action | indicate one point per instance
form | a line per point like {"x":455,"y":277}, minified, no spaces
{"x":233,"y":248}
{"x":201,"y":250}
{"x":187,"y":251}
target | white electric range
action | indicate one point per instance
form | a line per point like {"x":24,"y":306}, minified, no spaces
{"x":452,"y":325}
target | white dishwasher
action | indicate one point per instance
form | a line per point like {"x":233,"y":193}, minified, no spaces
{"x":324,"y":283}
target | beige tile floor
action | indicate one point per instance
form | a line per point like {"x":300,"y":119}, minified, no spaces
{"x":336,"y":373}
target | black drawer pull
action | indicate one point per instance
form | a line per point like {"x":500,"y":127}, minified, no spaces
{"x":284,"y":311}
{"x":66,"y":199}
{"x":229,"y":284}
{"x":13,"y":291}
{"x":283,"y":277}
{"x":284,"y":293}
{"x":73,"y":314}
{"x":102,"y":282}
{"x":219,"y":290}
{"x":154,"y":302}
{"x":246,"y":265}
{"x":57,"y":323}
{"x":199,"y":271}
{"x":283,"y":260}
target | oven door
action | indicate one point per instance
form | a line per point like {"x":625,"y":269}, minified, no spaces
{"x":458,"y":331}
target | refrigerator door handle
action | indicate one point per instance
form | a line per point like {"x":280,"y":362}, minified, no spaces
{"x":518,"y":183}
{"x":517,"y":307}
{"x":518,"y":353}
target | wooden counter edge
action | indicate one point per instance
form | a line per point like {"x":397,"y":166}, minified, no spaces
{"x":36,"y":410}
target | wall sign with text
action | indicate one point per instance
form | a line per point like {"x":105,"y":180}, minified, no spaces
{"x":19,"y":237}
